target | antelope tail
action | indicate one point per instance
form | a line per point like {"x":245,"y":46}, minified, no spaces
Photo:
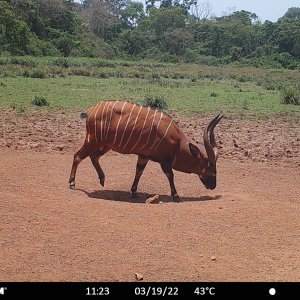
{"x":83,"y":116}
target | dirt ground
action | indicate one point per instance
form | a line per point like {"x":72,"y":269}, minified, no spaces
{"x":247,"y":229}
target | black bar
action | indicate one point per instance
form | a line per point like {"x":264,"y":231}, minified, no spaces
{"x":194,"y":290}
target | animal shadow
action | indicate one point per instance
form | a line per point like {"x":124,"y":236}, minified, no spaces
{"x":122,"y":196}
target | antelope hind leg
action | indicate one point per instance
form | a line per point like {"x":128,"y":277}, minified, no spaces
{"x":95,"y":161}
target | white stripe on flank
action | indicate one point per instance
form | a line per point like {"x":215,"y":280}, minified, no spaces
{"x":91,"y":110}
{"x":149,"y":131}
{"x":95,"y":120}
{"x":119,"y":122}
{"x":164,"y":135}
{"x":126,"y":124}
{"x":112,"y":109}
{"x":161,"y":115}
{"x":106,"y":119}
{"x":133,"y":127}
{"x":102,"y":121}
{"x":141,"y":130}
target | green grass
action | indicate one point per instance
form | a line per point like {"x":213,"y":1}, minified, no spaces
{"x":77,"y":83}
{"x":81,"y":92}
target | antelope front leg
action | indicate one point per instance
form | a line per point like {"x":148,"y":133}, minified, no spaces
{"x":140,"y":167}
{"x":167,"y":169}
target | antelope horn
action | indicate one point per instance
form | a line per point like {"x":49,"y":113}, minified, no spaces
{"x":209,"y":139}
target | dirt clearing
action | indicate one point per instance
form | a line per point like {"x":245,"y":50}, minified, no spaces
{"x":245,"y":230}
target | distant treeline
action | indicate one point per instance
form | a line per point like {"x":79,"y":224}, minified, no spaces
{"x":167,"y":30}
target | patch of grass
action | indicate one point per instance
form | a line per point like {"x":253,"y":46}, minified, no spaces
{"x":103,"y":75}
{"x":290,"y":95}
{"x":19,"y":109}
{"x":80,"y":92}
{"x":38,"y":73}
{"x":155,"y":101}
{"x":39,"y":101}
{"x":77,"y":83}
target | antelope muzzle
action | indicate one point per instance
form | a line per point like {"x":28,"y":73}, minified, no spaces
{"x":210,"y":182}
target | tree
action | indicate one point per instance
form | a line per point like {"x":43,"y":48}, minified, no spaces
{"x":163,"y":19}
{"x":289,"y":36}
{"x":134,"y":42}
{"x":150,"y":4}
{"x":101,"y":17}
{"x":201,"y":11}
{"x":177,"y":41}
{"x":293,"y":13}
{"x":132,"y":14}
{"x":243,"y":17}
{"x":15,"y":35}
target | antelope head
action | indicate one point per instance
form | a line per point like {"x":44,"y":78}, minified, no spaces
{"x":205,"y":163}
{"x":209,"y":173}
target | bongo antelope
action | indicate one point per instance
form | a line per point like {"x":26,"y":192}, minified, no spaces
{"x":132,"y":129}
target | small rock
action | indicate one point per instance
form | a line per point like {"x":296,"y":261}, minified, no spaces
{"x":138,"y":276}
{"x":235,"y":144}
{"x":153,"y":200}
{"x":34,"y":145}
{"x":213,"y":258}
{"x":58,"y":147}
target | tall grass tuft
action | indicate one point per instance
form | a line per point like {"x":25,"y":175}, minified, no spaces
{"x":290,"y":95}
{"x":39,"y":101}
{"x":155,"y":101}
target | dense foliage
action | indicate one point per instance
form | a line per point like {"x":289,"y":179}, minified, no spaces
{"x":167,"y":30}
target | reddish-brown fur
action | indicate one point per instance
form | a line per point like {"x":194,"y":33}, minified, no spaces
{"x":132,"y":129}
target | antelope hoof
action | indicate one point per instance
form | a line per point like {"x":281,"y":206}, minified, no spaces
{"x":72,"y":185}
{"x":177,"y":198}
{"x":101,"y":181}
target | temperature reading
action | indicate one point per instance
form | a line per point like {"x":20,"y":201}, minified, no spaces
{"x":201,"y":291}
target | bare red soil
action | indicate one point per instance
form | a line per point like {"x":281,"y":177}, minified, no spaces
{"x":247,"y":229}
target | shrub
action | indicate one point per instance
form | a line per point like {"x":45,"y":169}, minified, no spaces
{"x":39,"y":101}
{"x":103,"y":75}
{"x":61,"y":62}
{"x":157,"y":102}
{"x":38,"y":73}
{"x":80,"y":72}
{"x":103,"y":63}
{"x":291,"y":95}
{"x":23,"y":61}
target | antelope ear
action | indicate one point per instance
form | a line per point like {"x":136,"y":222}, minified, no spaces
{"x":194,"y":150}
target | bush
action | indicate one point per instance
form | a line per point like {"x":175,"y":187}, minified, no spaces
{"x":103,"y":75}
{"x":39,"y":101}
{"x":157,"y":102}
{"x":38,"y":73}
{"x":291,"y":96}
{"x":23,"y":61}
{"x":61,"y":62}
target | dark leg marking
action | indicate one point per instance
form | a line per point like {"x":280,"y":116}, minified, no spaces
{"x":95,"y":161}
{"x":167,"y":169}
{"x":140,"y":167}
